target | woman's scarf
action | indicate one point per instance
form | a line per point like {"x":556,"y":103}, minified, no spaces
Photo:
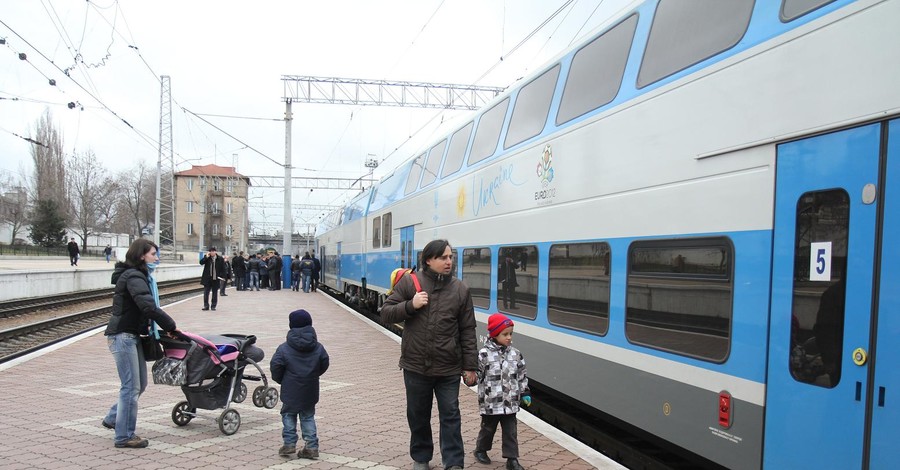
{"x":154,"y":290}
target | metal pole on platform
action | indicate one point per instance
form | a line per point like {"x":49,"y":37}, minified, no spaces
{"x":288,"y":222}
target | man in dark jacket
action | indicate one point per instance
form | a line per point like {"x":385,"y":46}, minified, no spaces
{"x":74,"y":252}
{"x":438,"y":346}
{"x":317,"y":270}
{"x":239,"y":265}
{"x":213,"y":273}
{"x":297,"y":365}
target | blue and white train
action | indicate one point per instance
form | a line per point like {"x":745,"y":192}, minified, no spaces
{"x":698,"y":207}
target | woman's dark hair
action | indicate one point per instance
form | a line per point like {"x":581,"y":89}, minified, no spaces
{"x":139,"y":248}
{"x":434,"y":249}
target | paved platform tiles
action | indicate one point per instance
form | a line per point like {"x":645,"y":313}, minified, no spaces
{"x":53,"y":403}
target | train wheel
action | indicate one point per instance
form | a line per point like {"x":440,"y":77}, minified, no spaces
{"x":183,"y":413}
{"x":240,"y":394}
{"x":271,"y":398}
{"x":229,"y":422}
{"x":258,"y":396}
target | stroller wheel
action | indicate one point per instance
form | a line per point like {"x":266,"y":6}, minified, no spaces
{"x":229,"y":422}
{"x":258,"y":396}
{"x":240,"y":394}
{"x":271,"y":398}
{"x":183,"y":413}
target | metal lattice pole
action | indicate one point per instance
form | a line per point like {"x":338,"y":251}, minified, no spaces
{"x":164,"y":229}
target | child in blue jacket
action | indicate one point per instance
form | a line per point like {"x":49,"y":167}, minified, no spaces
{"x":297,"y":365}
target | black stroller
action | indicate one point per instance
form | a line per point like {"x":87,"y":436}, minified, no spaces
{"x":210,"y":370}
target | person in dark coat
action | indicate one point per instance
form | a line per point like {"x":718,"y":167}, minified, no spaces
{"x":306,"y":270}
{"x":239,"y":265}
{"x":317,"y":270}
{"x":213,"y":273}
{"x":297,"y":365}
{"x":74,"y":252}
{"x":133,"y":308}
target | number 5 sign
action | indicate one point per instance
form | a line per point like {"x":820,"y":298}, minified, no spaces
{"x":820,"y":261}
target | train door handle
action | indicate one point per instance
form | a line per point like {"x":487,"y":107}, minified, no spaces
{"x":880,"y":397}
{"x":858,"y":391}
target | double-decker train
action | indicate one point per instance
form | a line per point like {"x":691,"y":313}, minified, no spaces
{"x":691,"y":216}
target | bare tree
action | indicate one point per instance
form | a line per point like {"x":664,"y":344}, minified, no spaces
{"x":138,"y":195}
{"x":88,"y":187}
{"x":49,"y":163}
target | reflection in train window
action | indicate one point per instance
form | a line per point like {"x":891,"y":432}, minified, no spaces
{"x":476,"y":272}
{"x":679,"y":296}
{"x":488,"y":133}
{"x":433,"y":164}
{"x":578,"y":287}
{"x":518,"y":287}
{"x":376,"y":232}
{"x":415,"y":172}
{"x":457,"y":150}
{"x":531,"y":109}
{"x":386,"y":231}
{"x":455,"y":255}
{"x":817,"y":309}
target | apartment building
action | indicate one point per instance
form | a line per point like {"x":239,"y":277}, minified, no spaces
{"x":211,"y":209}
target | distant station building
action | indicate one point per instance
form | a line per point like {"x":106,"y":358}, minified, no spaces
{"x":211,"y":209}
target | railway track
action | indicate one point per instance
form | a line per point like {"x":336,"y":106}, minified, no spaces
{"x":31,"y":324}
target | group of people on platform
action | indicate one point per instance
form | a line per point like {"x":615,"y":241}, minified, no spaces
{"x":438,"y":347}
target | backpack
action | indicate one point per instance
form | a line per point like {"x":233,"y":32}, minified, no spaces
{"x":398,"y":273}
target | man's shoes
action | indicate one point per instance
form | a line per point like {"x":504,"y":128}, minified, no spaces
{"x":224,"y":295}
{"x":287,"y":451}
{"x":107,"y":425}
{"x":513,"y":464}
{"x":482,"y":457}
{"x":205,"y":308}
{"x":307,"y":453}
{"x":421,"y":466}
{"x":214,"y":309}
{"x":454,"y":467}
{"x":133,"y":443}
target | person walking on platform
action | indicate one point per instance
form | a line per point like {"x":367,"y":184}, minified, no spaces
{"x":502,"y":383}
{"x":107,"y":252}
{"x":306,"y":271}
{"x":253,"y":267}
{"x":213,"y":272}
{"x":317,"y":270}
{"x":295,"y":273}
{"x":297,"y":365}
{"x":239,"y":265}
{"x":74,"y":252}
{"x":438,"y":346}
{"x":134,"y":306}
{"x":226,"y":275}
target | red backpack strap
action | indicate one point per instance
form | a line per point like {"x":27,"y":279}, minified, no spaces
{"x":415,"y":281}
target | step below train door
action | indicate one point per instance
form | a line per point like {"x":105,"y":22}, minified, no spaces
{"x":826,"y":240}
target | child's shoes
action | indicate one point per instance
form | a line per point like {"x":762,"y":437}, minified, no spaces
{"x":287,"y":451}
{"x":307,"y":453}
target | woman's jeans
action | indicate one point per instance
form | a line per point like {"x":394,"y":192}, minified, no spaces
{"x":419,"y":391}
{"x":129,"y":357}
{"x":307,"y":428}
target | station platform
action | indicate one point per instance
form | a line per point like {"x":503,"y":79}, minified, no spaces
{"x":54,"y":401}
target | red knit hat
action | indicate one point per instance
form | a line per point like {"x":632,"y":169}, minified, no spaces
{"x":497,"y":323}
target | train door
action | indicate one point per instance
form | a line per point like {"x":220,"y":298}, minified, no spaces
{"x":338,"y":282}
{"x":407,"y":252}
{"x":822,"y":373}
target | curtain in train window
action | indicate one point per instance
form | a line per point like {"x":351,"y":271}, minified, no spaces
{"x":578,"y":287}
{"x":679,"y":296}
{"x":476,"y":273}
{"x":817,"y":309}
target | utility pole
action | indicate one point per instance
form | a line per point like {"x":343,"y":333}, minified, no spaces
{"x":288,"y":222}
{"x":164,"y":222}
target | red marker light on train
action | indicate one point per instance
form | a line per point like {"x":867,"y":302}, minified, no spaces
{"x":725,"y":409}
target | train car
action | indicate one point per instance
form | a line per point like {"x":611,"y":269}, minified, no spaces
{"x":689,"y":216}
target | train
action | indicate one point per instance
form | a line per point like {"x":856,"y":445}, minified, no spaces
{"x":689,"y":216}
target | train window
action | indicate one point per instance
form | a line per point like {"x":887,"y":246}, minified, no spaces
{"x":415,"y":171}
{"x":817,"y":310}
{"x":476,"y":272}
{"x":596,"y":72}
{"x":455,"y":255}
{"x":488,"y":133}
{"x":376,"y":232}
{"x":518,"y":287}
{"x":531,"y":109}
{"x":793,"y":9}
{"x":679,"y":296}
{"x":433,"y":164}
{"x":386,"y":230}
{"x":578,"y":287}
{"x":685,"y":33}
{"x":457,"y":150}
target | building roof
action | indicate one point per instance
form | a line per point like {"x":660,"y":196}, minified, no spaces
{"x":211,"y":170}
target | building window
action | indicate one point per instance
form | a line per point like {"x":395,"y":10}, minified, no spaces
{"x":578,"y":287}
{"x":229,"y":207}
{"x":229,"y":229}
{"x":190,"y":229}
{"x":190,"y":183}
{"x":190,"y":207}
{"x":215,"y":229}
{"x":229,"y":185}
{"x":679,"y":296}
{"x":215,"y":208}
{"x":476,"y":272}
{"x":217,"y":184}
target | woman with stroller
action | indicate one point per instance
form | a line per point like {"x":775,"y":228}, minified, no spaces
{"x":134,"y":307}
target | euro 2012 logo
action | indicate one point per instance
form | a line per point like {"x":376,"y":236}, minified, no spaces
{"x":544,"y":169}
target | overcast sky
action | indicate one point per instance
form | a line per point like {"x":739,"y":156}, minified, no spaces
{"x":226,"y":58}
